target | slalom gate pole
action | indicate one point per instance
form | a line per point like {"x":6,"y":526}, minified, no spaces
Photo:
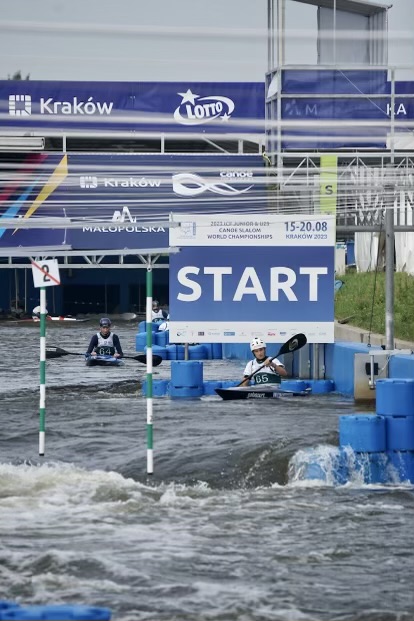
{"x":150,"y":452}
{"x":42,"y":397}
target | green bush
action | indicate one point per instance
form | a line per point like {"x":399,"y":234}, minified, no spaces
{"x":361,"y":302}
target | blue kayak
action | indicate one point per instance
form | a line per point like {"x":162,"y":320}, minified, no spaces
{"x":103,"y":361}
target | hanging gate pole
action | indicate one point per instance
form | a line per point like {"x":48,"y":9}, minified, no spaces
{"x":42,"y":397}
{"x":150,"y":452}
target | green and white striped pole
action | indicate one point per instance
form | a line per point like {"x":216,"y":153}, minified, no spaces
{"x":42,"y":400}
{"x":150,"y":452}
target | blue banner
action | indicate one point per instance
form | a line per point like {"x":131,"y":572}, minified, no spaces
{"x":122,"y":189}
{"x":334,"y":82}
{"x":133,"y":106}
{"x":307,"y":108}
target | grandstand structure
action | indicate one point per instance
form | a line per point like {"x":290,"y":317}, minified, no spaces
{"x":360,"y":114}
{"x":90,"y":173}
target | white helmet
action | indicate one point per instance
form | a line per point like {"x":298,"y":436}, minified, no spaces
{"x":257,"y":344}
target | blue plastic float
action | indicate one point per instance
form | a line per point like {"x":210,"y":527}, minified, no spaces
{"x":160,"y":338}
{"x":187,"y":381}
{"x":62,"y":612}
{"x":377,"y":448}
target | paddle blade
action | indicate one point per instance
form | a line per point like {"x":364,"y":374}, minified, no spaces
{"x":55,"y":352}
{"x":156,"y":360}
{"x":293,"y":344}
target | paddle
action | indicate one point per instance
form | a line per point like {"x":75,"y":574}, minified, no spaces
{"x":57,"y":352}
{"x":294,"y":343}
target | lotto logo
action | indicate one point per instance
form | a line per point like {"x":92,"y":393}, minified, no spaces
{"x":88,"y":182}
{"x":20,"y":105}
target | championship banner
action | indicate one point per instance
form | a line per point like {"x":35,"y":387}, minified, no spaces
{"x":241,"y":276}
{"x":119,"y":191}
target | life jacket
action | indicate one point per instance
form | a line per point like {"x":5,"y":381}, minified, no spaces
{"x":159,"y":314}
{"x":265,"y":375}
{"x":105,"y":346}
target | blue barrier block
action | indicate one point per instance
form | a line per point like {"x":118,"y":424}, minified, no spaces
{"x":197,"y":352}
{"x":186,"y":379}
{"x":321,"y":386}
{"x":62,"y":612}
{"x":175,"y":352}
{"x":211,"y":385}
{"x":373,"y":467}
{"x":403,"y":464}
{"x":162,"y":338}
{"x":395,"y":397}
{"x":295,"y":385}
{"x":322,"y":463}
{"x":209,"y":350}
{"x":186,"y":373}
{"x":186,"y":392}
{"x":141,"y":340}
{"x":229,"y":383}
{"x":6,"y":605}
{"x":399,"y":433}
{"x":142,"y":326}
{"x":159,"y":387}
{"x":364,"y":433}
{"x":217,"y":351}
{"x":314,"y":472}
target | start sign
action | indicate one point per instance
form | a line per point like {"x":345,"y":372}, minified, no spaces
{"x":273,"y":287}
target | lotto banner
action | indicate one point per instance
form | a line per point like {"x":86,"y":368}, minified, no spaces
{"x":238,"y":276}
{"x":207,"y":107}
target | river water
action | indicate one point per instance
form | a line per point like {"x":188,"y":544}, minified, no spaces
{"x":223,"y":530}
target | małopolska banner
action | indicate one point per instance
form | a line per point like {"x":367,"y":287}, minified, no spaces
{"x":241,"y":276}
{"x":121,"y":189}
{"x":207,"y":107}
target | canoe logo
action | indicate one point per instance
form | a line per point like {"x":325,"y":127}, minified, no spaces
{"x":20,"y":105}
{"x":196,"y":110}
{"x":189,"y":184}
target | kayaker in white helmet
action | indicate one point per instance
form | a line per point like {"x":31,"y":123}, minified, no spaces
{"x":273,"y":370}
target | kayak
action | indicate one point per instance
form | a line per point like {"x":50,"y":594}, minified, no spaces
{"x":259,"y":392}
{"x":103,"y":361}
{"x":48,"y":318}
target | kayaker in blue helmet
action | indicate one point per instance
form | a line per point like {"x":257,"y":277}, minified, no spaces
{"x":105,"y":342}
{"x":273,"y":370}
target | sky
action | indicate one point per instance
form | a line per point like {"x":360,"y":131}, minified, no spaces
{"x":165,"y":40}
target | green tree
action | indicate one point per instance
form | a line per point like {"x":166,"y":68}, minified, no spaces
{"x":17,"y":75}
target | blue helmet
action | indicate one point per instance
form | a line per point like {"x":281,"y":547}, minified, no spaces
{"x":105,"y":322}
